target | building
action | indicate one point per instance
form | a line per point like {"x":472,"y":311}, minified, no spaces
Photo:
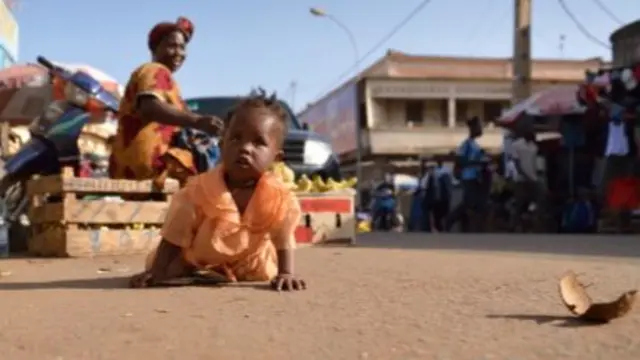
{"x":8,"y":35}
{"x":625,"y":44}
{"x":409,"y":105}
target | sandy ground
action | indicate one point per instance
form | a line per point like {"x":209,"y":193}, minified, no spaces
{"x":392,"y":297}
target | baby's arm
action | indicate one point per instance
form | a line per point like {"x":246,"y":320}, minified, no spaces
{"x":168,"y":263}
{"x":284,"y":240}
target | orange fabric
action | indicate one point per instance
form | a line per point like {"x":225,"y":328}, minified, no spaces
{"x":204,"y":221}
{"x":623,"y":194}
{"x":140,"y":143}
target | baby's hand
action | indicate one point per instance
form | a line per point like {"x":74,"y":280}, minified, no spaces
{"x":287,"y":282}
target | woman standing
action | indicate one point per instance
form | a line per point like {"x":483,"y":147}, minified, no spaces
{"x":152,"y":109}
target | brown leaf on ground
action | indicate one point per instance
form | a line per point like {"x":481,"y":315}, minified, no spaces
{"x":575,"y":297}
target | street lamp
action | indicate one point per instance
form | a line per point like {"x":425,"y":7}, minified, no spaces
{"x":317,"y":12}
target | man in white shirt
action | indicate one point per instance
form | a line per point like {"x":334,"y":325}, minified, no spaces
{"x":524,"y":153}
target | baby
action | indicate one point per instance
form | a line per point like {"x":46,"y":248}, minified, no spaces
{"x":237,"y":220}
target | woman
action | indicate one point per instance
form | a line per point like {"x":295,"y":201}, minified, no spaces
{"x":152,"y":110}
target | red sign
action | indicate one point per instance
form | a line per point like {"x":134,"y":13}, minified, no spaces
{"x":336,"y":118}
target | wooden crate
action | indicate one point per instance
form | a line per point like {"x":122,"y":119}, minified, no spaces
{"x":327,"y":218}
{"x":71,"y":226}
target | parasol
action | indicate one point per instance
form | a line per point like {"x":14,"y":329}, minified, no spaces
{"x":554,"y":101}
{"x":25,"y":91}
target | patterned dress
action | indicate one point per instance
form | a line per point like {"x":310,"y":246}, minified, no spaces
{"x":140,"y":143}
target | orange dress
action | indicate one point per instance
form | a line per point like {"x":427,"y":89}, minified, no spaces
{"x":204,"y":221}
{"x":140,"y":143}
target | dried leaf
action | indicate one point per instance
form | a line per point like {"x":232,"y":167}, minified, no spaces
{"x":575,"y":298}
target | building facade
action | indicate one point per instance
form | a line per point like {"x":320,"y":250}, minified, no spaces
{"x":625,"y":44}
{"x":8,"y":35}
{"x":409,"y":106}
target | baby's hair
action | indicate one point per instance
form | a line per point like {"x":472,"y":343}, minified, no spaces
{"x":260,"y":99}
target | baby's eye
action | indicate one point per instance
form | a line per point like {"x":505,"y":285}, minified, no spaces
{"x":260,"y":142}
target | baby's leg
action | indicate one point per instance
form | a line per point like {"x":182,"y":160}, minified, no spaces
{"x":261,"y":266}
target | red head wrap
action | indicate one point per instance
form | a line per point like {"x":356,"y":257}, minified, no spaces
{"x":161,"y":30}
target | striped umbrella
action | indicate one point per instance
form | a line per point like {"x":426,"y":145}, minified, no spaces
{"x":557,"y":100}
{"x":25,"y":91}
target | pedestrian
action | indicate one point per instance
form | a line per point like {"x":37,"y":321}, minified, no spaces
{"x":468,"y":166}
{"x":441,"y":188}
{"x":416,"y":216}
{"x":428,"y":184}
{"x":524,"y":153}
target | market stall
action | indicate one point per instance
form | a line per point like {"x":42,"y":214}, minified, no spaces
{"x":580,"y":115}
{"x":88,"y":217}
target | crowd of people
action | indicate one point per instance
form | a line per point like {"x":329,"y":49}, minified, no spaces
{"x":510,"y":192}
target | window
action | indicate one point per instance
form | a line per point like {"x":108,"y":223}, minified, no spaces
{"x":414,"y":111}
{"x":462,"y":110}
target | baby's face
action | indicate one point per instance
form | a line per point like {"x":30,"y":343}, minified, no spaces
{"x":251,"y":144}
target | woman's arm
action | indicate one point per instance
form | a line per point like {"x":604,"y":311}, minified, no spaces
{"x":151,"y":86}
{"x":150,"y":107}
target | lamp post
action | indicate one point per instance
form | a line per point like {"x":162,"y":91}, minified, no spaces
{"x":317,"y":12}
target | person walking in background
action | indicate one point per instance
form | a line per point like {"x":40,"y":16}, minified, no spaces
{"x":416,"y":216}
{"x":469,"y":159}
{"x":428,"y":184}
{"x":524,"y":153}
{"x":442,"y":187}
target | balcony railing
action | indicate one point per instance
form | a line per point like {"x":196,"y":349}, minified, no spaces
{"x":425,"y":140}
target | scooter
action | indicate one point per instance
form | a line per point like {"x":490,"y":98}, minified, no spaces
{"x":53,"y":145}
{"x":384,"y":210}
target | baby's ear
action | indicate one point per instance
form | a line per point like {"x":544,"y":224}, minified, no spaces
{"x":279,"y":156}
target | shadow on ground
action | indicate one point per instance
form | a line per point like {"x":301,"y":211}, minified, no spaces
{"x":122,"y":282}
{"x":554,"y":320}
{"x":584,"y":245}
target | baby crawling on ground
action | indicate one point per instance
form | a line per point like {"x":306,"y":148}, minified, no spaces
{"x":237,"y":220}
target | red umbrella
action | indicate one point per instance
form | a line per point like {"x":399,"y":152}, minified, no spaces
{"x":557,"y":100}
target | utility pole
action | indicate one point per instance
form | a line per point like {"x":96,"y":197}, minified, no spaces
{"x":521,"y":51}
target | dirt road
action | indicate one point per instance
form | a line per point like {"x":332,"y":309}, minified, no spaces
{"x":415,"y":301}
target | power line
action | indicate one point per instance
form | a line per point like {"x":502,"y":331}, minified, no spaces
{"x":379,"y":44}
{"x":609,"y":13}
{"x":581,"y":27}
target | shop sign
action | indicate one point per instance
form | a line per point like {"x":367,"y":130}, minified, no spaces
{"x":336,"y":118}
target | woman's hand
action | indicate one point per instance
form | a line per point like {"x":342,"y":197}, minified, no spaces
{"x":212,"y":125}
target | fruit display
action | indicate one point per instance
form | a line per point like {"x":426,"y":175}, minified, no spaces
{"x":314,"y":185}
{"x":364,"y":226}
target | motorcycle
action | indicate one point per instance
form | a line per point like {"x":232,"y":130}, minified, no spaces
{"x":53,"y":145}
{"x":384,"y":210}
